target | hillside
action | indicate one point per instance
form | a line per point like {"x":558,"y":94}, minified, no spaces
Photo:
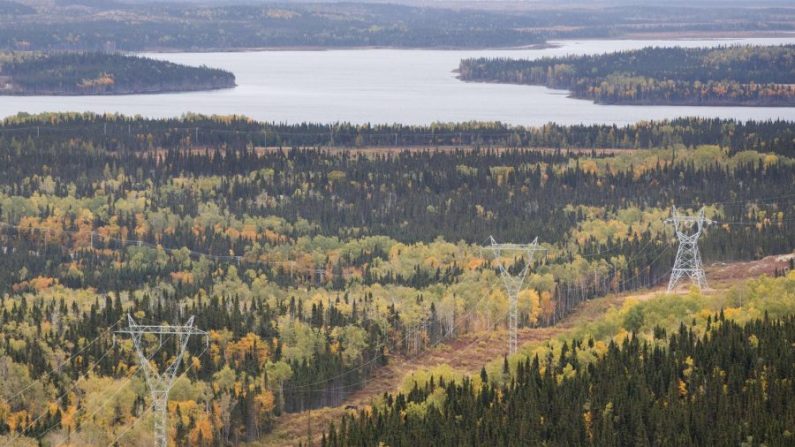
{"x":720,"y":383}
{"x":730,"y":76}
{"x":102,"y":74}
{"x":321,"y":276}
{"x":91,"y":25}
{"x":469,"y":353}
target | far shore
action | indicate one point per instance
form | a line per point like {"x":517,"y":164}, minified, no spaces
{"x":645,"y":103}
{"x":553,"y":43}
{"x":538,"y":46}
{"x":124,"y":93}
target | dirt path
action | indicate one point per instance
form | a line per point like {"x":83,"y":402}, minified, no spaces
{"x":468,"y":353}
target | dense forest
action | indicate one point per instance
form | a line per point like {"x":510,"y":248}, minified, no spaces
{"x":312,"y":266}
{"x":738,"y":75}
{"x":102,"y":74}
{"x":238,"y":132}
{"x":728,"y":386}
{"x":136,"y":26}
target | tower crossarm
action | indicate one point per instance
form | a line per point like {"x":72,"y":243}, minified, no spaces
{"x":516,"y":247}
{"x":688,"y":219}
{"x":162,"y":330}
{"x":684,"y":225}
{"x":500,"y":249}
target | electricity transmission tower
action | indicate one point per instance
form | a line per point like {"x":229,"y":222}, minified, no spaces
{"x":688,"y":259}
{"x":160,"y":383}
{"x":513,"y":282}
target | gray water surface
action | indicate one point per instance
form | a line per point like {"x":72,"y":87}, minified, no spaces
{"x":386,"y":86}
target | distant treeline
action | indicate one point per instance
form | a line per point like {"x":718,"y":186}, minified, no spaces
{"x":103,"y":74}
{"x":131,"y":26}
{"x":114,"y":131}
{"x":201,"y":28}
{"x":739,"y":75}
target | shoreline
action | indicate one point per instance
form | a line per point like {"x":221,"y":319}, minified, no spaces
{"x":143,"y":92}
{"x":537,"y":46}
{"x":552,"y":43}
{"x":571,"y":95}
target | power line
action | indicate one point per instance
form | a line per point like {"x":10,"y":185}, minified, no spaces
{"x":172,"y":251}
{"x":355,"y":386}
{"x":328,"y":379}
{"x":736,"y":202}
{"x":128,"y":429}
{"x":64,"y":362}
{"x":139,"y":243}
{"x":301,"y":388}
{"x":383,"y":344}
{"x":241,"y":258}
{"x":651,"y":263}
{"x":202,"y":254}
{"x":371,"y":361}
{"x":46,"y":412}
{"x":127,"y":381}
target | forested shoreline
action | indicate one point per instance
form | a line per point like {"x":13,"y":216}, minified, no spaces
{"x":728,"y":76}
{"x":311,"y":266}
{"x":102,"y":74}
{"x":71,"y":25}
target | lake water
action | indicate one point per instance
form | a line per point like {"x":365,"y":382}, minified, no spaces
{"x":386,"y":86}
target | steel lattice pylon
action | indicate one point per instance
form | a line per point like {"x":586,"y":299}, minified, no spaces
{"x":513,"y":283}
{"x":688,"y":258}
{"x":160,"y":383}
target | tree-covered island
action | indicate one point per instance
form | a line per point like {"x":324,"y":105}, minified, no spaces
{"x":102,"y":74}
